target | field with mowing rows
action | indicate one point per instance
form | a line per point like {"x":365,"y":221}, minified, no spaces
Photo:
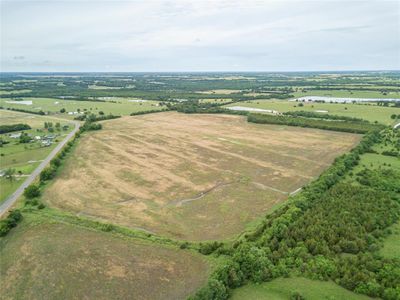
{"x":194,"y":177}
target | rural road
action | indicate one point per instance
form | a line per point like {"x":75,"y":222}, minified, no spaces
{"x":13,"y":198}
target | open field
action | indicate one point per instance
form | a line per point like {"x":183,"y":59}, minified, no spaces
{"x":391,"y":245}
{"x":25,"y":157}
{"x":195,"y":177}
{"x":282,"y":289}
{"x":371,"y":112}
{"x":119,"y":106}
{"x":43,"y":259}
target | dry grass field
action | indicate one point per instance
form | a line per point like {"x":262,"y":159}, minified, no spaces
{"x":43,"y":260}
{"x":195,"y":177}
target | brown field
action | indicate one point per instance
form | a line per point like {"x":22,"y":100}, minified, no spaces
{"x":62,"y":261}
{"x":195,"y":177}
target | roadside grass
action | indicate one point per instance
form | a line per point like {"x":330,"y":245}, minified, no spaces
{"x":368,"y":112}
{"x":391,"y":244}
{"x":284,"y":288}
{"x":46,"y":258}
{"x":191,"y":177}
{"x":8,"y":187}
{"x":119,"y":106}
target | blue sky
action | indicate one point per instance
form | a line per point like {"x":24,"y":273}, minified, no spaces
{"x":183,"y":35}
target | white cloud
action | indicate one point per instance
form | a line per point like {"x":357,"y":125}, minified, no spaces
{"x":199,"y":35}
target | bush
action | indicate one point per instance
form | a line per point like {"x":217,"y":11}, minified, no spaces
{"x":32,"y":191}
{"x":11,"y":221}
{"x":295,"y":295}
{"x":47,"y":173}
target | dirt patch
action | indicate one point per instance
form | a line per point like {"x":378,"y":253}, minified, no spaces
{"x":138,"y":170}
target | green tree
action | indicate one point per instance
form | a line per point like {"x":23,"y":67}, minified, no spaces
{"x":32,"y":191}
{"x":9,"y":173}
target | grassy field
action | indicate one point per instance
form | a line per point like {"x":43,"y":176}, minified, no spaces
{"x":391,"y":245}
{"x":195,"y":177}
{"x":121,"y":106}
{"x":282,"y":289}
{"x":350,"y":94}
{"x":24,"y":157}
{"x":43,"y":259}
{"x":368,"y":112}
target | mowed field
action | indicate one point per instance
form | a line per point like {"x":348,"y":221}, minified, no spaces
{"x":194,"y":177}
{"x":284,"y":288}
{"x":50,"y":260}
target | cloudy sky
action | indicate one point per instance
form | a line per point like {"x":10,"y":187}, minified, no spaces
{"x":199,"y":35}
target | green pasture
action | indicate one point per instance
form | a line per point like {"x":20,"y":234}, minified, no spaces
{"x":370,"y":112}
{"x":119,"y":106}
{"x":284,"y":288}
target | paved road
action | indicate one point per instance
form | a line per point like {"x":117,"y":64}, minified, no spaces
{"x":13,"y":198}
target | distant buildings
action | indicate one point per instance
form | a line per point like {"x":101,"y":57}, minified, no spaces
{"x":342,"y":99}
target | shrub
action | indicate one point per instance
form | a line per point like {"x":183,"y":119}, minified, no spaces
{"x":11,"y":221}
{"x":32,"y":191}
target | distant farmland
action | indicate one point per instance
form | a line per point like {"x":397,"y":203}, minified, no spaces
{"x":195,"y":177}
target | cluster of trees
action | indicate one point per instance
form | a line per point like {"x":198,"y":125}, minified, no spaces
{"x":25,"y":138}
{"x":314,"y":115}
{"x":13,"y":127}
{"x":10,"y":222}
{"x":335,"y":125}
{"x":384,"y":179}
{"x":95,"y":118}
{"x":332,"y":230}
{"x":394,"y":116}
{"x":144,"y":112}
{"x":49,"y":126}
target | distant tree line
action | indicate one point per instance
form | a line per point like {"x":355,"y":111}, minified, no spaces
{"x":335,"y":125}
{"x":13,"y":127}
{"x":314,"y":115}
{"x":40,"y":112}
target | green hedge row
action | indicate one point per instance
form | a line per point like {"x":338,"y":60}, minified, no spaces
{"x":345,"y":126}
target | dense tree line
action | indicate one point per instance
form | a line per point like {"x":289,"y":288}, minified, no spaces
{"x":95,"y":118}
{"x":332,"y":230}
{"x":13,"y":218}
{"x":310,"y":114}
{"x":13,"y":127}
{"x":40,"y":112}
{"x":335,"y":125}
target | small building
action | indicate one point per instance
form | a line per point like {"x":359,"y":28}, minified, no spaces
{"x":46,"y":143}
{"x":15,"y":135}
{"x":38,"y":137}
